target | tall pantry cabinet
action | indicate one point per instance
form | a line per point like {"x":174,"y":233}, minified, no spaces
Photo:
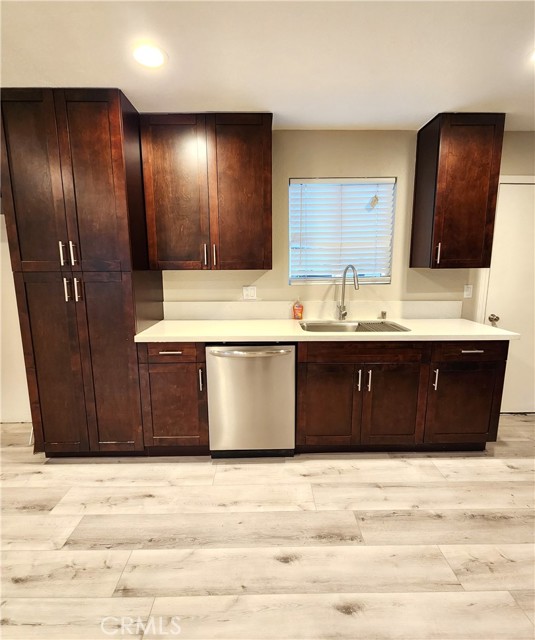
{"x":73,"y":200}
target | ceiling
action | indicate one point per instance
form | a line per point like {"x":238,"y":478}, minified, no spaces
{"x":315,"y":65}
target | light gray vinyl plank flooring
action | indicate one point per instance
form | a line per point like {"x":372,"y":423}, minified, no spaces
{"x":428,"y":495}
{"x":44,"y":532}
{"x":61,"y":573}
{"x":73,"y":618}
{"x":355,"y":546}
{"x":215,"y":530}
{"x":486,"y":567}
{"x":335,"y":470}
{"x":447,"y":526}
{"x":348,"y":616}
{"x":202,"y":572}
{"x":187,"y":499}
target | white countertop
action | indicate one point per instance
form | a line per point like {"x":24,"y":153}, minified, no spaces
{"x":290,"y":331}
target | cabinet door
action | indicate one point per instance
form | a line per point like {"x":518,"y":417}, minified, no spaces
{"x":239,"y":169}
{"x":329,"y":410}
{"x":93,"y":172}
{"x":177,"y":405}
{"x":463,"y":401}
{"x":53,"y":362}
{"x":106,"y":329}
{"x":31,"y":181}
{"x":176,"y":190}
{"x":467,"y":186}
{"x":393,"y":404}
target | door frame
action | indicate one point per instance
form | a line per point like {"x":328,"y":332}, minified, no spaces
{"x":483,"y":275}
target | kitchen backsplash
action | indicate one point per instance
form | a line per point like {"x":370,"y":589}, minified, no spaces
{"x":314,"y":309}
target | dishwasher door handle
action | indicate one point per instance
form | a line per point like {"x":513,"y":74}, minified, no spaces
{"x":236,"y":353}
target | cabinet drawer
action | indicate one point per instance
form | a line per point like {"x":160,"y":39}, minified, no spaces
{"x":162,"y":352}
{"x":354,"y":352}
{"x":474,"y":351}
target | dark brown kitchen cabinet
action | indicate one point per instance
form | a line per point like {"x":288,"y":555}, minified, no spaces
{"x":465,"y":392}
{"x":173,"y":391}
{"x":72,"y":179}
{"x":360,"y":394}
{"x":53,"y":361}
{"x":457,"y":171}
{"x":176,"y":190}
{"x":208,"y":190}
{"x":73,"y":201}
{"x":81,"y":361}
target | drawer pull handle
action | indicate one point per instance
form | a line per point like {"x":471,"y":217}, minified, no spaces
{"x":201,"y":387}
{"x":205,"y":252}
{"x":439,"y":250}
{"x":359,"y":383}
{"x":369,"y":379}
{"x":170,"y":353}
{"x":215,"y":255}
{"x":435,"y":383}
{"x":473,"y":351}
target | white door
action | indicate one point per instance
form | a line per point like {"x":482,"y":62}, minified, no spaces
{"x":511,"y":291}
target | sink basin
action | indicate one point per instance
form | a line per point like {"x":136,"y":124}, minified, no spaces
{"x":358,"y":326}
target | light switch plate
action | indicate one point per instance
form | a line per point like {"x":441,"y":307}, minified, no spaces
{"x":468,"y":288}
{"x":249,"y":293}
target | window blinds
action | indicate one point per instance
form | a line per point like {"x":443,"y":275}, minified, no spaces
{"x":335,"y":222}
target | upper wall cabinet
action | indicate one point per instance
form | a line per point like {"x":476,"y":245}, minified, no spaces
{"x":457,"y":171}
{"x":71,"y":178}
{"x":208,"y":190}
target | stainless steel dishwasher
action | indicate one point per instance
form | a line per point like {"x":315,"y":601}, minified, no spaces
{"x":251,"y":400}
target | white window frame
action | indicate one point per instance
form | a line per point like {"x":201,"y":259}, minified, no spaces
{"x":376,"y":261}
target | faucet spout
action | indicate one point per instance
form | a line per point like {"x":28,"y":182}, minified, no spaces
{"x":342,"y":311}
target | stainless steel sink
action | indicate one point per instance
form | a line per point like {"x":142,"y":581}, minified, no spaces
{"x":358,"y":326}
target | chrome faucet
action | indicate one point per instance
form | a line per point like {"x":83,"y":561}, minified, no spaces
{"x":342,"y":311}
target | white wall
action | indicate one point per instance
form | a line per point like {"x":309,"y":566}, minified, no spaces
{"x":14,"y":403}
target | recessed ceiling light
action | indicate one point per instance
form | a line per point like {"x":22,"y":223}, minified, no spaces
{"x":149,"y":56}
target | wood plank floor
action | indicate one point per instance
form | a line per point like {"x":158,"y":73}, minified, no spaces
{"x":346,"y":546}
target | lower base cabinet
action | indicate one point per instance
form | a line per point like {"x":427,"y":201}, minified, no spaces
{"x":408,"y":395}
{"x":465,"y":392}
{"x":360,"y":394}
{"x":173,"y":395}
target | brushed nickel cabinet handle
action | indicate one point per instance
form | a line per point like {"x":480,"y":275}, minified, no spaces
{"x":435,"y":383}
{"x":66,"y":290}
{"x":205,"y":251}
{"x":369,"y":379}
{"x":215,"y":255}
{"x":359,"y":383}
{"x":169,"y":353}
{"x":77,"y":293}
{"x":472,"y":350}
{"x":74,"y":261}
{"x":439,"y":249}
{"x":201,"y":387}
{"x":61,"y":254}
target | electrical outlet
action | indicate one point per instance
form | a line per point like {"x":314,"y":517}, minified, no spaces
{"x":249,"y":293}
{"x":468,"y":288}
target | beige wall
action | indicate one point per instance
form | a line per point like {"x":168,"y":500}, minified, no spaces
{"x":330,"y":154}
{"x":518,"y":155}
{"x":14,"y":402}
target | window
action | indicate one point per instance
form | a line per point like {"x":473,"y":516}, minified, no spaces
{"x":339,"y":221}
